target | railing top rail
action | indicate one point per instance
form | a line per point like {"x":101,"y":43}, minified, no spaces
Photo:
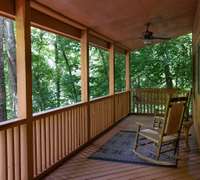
{"x":12,"y":123}
{"x":107,"y":97}
{"x":123,"y":92}
{"x":155,"y":89}
{"x":43,"y":114}
{"x":57,"y":110}
{"x":100,"y":98}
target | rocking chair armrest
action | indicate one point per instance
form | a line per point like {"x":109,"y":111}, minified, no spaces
{"x":159,"y":118}
{"x":140,"y":124}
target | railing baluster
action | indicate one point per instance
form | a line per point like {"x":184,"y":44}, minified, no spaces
{"x":47,"y":145}
{"x":10,"y":158}
{"x":42,"y":137}
{"x":56,"y":137}
{"x":52,"y":139}
{"x":16,"y":152}
{"x":60,"y":136}
{"x":71,"y":131}
{"x":63,"y":134}
{"x":3,"y":165}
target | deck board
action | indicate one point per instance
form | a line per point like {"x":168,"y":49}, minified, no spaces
{"x":82,"y":168}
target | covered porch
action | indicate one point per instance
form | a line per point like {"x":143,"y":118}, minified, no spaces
{"x":33,"y":145}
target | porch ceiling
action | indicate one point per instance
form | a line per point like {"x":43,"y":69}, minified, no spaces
{"x":123,"y":20}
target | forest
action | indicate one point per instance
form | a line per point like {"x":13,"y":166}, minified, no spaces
{"x":56,"y":69}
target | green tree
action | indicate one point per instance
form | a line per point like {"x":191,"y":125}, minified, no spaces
{"x":3,"y":114}
{"x":168,"y":64}
{"x":56,"y":70}
{"x":120,"y":63}
{"x":99,"y":84}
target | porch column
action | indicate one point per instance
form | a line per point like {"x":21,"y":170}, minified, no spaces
{"x":128,"y":85}
{"x":85,"y":74}
{"x":112,"y":70}
{"x":24,"y":85}
{"x":128,"y":71}
{"x":112,"y":77}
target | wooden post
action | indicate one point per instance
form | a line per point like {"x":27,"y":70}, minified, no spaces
{"x":128,"y":71}
{"x":85,"y":74}
{"x":112,"y":70}
{"x":112,"y":76}
{"x":24,"y":84}
{"x":84,"y":67}
{"x":128,"y":86}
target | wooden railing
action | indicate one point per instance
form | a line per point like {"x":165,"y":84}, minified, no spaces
{"x":13,"y":150}
{"x":122,"y":105}
{"x":150,"y":100}
{"x":56,"y":135}
{"x":101,"y":115}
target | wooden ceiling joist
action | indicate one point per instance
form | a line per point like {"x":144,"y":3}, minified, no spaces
{"x":53,"y":25}
{"x":96,"y":41}
{"x":56,"y":15}
{"x":119,"y":49}
{"x":7,"y":8}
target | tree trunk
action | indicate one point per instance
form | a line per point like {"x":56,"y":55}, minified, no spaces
{"x":41,"y":101}
{"x":57,"y":73}
{"x":11,"y":52}
{"x":3,"y":115}
{"x":168,"y":77}
{"x":70,"y":73}
{"x":165,"y":60}
{"x":138,"y":81}
{"x":104,"y":64}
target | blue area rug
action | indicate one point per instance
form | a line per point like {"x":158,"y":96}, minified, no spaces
{"x":120,"y":149}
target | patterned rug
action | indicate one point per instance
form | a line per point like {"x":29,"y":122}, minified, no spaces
{"x":119,"y":149}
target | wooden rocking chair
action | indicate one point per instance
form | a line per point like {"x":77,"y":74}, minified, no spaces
{"x":167,"y":135}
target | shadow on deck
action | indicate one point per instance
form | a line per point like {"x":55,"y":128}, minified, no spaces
{"x":80,"y":167}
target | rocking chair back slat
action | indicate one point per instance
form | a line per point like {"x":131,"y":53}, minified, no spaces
{"x":174,"y":119}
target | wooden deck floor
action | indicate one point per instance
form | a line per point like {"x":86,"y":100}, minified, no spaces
{"x":81,"y":168}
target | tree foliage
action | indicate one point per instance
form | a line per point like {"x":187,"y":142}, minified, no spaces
{"x":120,"y":64}
{"x":55,"y":69}
{"x":8,"y":80}
{"x":99,"y":85}
{"x":168,"y":64}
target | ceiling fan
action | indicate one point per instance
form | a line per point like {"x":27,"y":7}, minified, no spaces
{"x":148,"y":36}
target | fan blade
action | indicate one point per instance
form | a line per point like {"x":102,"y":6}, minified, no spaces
{"x":161,"y":38}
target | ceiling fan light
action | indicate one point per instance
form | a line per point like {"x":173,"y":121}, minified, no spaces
{"x":147,"y":41}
